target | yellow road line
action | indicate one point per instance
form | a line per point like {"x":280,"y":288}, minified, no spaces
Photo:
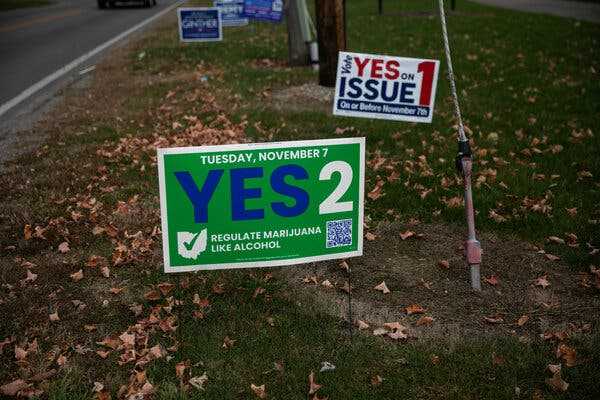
{"x":39,"y":20}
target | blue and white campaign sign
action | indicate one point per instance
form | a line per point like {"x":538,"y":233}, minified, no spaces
{"x":385,"y":87}
{"x":264,"y":10}
{"x":232,"y":12}
{"x":199,"y":24}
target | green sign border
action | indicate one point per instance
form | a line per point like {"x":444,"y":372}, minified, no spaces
{"x":161,"y":152}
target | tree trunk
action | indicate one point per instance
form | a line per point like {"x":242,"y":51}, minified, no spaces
{"x":331,"y":35}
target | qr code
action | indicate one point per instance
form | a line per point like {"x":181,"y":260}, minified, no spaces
{"x":339,"y":233}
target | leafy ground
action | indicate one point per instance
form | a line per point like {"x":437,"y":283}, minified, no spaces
{"x":86,"y":311}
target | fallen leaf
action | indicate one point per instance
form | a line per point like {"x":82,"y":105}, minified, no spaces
{"x":382,"y":288}
{"x":103,"y":354}
{"x":77,"y":276}
{"x":105,"y":271}
{"x":30,"y":276}
{"x":444,"y":264}
{"x":54,"y":317}
{"x":165,"y":288}
{"x":494,"y":319}
{"x":27,"y":232}
{"x":568,"y":354}
{"x":326,"y":284}
{"x":14,"y":387}
{"x":376,"y":380}
{"x":20,"y":353}
{"x":63,"y":247}
{"x":199,"y":381}
{"x":414,"y":309}
{"x":362,"y":324}
{"x":551,"y":257}
{"x":523,"y":320}
{"x":152,"y":295}
{"x":542,"y":281}
{"x":406,"y":235}
{"x":556,"y":240}
{"x":312,"y":385}
{"x":370,"y":237}
{"x":492,"y":280}
{"x":228,"y":343}
{"x":61,"y":360}
{"x":259,"y":391}
{"x":425,"y":320}
{"x":128,"y":339}
{"x":556,"y":382}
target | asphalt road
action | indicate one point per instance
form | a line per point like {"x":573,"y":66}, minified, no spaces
{"x":37,"y":42}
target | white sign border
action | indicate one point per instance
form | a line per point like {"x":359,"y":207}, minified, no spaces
{"x":161,"y":152}
{"x":181,"y":39}
{"x":399,"y":118}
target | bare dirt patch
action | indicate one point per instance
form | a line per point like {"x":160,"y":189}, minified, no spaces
{"x":411,"y":271}
{"x":307,"y":97}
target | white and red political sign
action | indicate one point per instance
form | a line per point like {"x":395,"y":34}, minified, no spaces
{"x":385,"y":87}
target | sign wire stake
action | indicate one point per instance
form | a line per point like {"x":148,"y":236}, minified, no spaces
{"x":464,"y":164}
{"x":350,"y":320}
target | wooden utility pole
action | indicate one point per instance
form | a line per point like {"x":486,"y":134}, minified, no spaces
{"x":298,"y":50}
{"x":331,"y":35}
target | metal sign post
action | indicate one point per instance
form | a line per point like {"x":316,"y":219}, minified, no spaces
{"x":464,"y":163}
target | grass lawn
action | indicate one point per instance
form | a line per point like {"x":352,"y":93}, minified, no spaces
{"x":98,"y":317}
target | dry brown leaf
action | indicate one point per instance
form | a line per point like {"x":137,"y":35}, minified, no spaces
{"x":198,"y":382}
{"x":31,"y":277}
{"x":444,"y":264}
{"x":312,"y":385}
{"x":54,"y":316}
{"x":105,"y":271}
{"x":228,"y":343}
{"x":61,"y":360}
{"x":376,"y":380}
{"x":380,"y":331}
{"x":165,"y":288}
{"x":152,"y":295}
{"x":20,"y":353}
{"x":362,"y":324}
{"x":542,"y":281}
{"x":77,"y":276}
{"x":14,"y":387}
{"x":494,"y":319}
{"x":326,"y":284}
{"x":414,"y":309}
{"x":382,"y":288}
{"x":556,"y":382}
{"x":406,"y":235}
{"x":102,"y":353}
{"x":551,"y":257}
{"x":568,"y":354}
{"x":556,"y":240}
{"x":370,"y":237}
{"x":425,"y":320}
{"x":492,"y":280}
{"x":259,"y":391}
{"x":27,"y":232}
{"x":523,"y":320}
{"x":63,"y":247}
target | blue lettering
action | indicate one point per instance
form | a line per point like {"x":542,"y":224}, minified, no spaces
{"x":239,"y":194}
{"x":280,"y":186}
{"x":199,"y":198}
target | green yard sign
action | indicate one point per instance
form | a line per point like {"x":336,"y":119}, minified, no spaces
{"x":262,"y":204}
